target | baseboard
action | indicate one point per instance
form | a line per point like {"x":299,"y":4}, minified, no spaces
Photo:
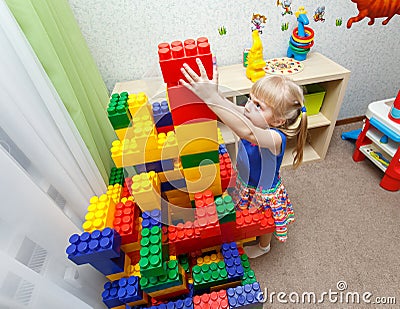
{"x":341,"y":122}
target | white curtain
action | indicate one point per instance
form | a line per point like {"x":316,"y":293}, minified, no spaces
{"x":47,"y":177}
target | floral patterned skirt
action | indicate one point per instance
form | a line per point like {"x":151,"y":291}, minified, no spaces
{"x":245,"y":197}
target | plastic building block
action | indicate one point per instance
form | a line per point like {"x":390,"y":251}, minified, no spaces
{"x":205,"y":158}
{"x":215,"y":300}
{"x":208,"y":259}
{"x":183,"y":238}
{"x":125,"y":273}
{"x":125,"y":218}
{"x":118,"y":112}
{"x":151,"y":257}
{"x":130,"y":292}
{"x":187,"y":108}
{"x":225,"y":209}
{"x":114,"y":192}
{"x":172,"y":277}
{"x":146,"y":190}
{"x":249,"y":295}
{"x":251,"y":223}
{"x":161,"y":114}
{"x":138,"y":105}
{"x":151,"y":218}
{"x":90,"y":246}
{"x":207,"y":221}
{"x":208,"y":275}
{"x":202,"y":199}
{"x":110,"y":295}
{"x":100,"y":213}
{"x":227,"y":173}
{"x":173,"y":185}
{"x":167,"y":147}
{"x":173,"y":56}
{"x":233,"y":262}
{"x":116,"y":176}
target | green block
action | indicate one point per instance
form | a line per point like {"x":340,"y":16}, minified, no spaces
{"x":171,"y":278}
{"x":209,"y":275}
{"x":184,"y":262}
{"x":151,"y":254}
{"x":225,"y":209}
{"x":118,"y":112}
{"x":200,"y":159}
{"x":116,"y":176}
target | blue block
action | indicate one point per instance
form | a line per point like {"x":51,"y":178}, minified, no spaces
{"x":97,"y":245}
{"x":161,"y":114}
{"x":110,"y":266}
{"x":110,"y":294}
{"x":151,"y":218}
{"x":173,"y":185}
{"x":222,"y":149}
{"x":232,"y":261}
{"x":351,"y":134}
{"x":249,"y":295}
{"x":129,"y":290}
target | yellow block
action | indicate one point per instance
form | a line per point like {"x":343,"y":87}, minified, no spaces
{"x":100,"y":213}
{"x":197,"y":145}
{"x":206,"y":129}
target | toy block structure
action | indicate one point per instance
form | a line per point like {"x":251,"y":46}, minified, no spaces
{"x":167,"y":234}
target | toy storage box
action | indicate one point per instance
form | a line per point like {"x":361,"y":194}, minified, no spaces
{"x":313,"y":98}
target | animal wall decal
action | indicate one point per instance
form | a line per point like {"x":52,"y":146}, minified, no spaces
{"x":375,"y":9}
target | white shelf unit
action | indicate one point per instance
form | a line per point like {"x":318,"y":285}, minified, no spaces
{"x":233,"y":83}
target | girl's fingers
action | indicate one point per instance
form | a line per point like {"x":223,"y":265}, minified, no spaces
{"x":215,"y":74}
{"x":189,"y":71}
{"x":203,"y":72}
{"x":187,"y":76}
{"x":185,"y":84}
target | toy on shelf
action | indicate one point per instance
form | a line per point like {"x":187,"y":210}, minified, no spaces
{"x":379,"y":141}
{"x":394,"y":113}
{"x":302,"y":38}
{"x":255,"y":61}
{"x":283,"y":66}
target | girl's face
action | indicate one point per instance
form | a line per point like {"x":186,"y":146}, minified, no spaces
{"x":260,"y":114}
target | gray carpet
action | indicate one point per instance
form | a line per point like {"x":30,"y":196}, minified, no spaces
{"x":347,"y":228}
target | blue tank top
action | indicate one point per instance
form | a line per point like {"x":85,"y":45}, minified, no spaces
{"x":259,"y":167}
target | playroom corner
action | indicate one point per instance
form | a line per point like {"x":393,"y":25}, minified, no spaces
{"x":201,"y":155}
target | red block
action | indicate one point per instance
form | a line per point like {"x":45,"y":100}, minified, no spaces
{"x":227,"y":172}
{"x":125,"y":219}
{"x":228,"y":230}
{"x":186,"y":107}
{"x":165,"y":129}
{"x":173,"y":56}
{"x":214,"y":300}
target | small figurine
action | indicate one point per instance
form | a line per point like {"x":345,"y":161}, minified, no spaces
{"x":286,"y":6}
{"x":319,"y":14}
{"x":257,"y":22}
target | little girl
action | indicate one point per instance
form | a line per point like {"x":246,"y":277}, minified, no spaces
{"x":273,"y":112}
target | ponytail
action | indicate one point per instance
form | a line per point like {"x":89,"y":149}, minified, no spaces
{"x":301,"y":138}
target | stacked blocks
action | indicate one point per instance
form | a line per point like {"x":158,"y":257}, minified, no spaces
{"x":156,"y":235}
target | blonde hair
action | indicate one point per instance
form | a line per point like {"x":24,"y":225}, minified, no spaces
{"x":286,"y":100}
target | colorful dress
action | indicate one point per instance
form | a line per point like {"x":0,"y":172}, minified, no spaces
{"x":259,"y":184}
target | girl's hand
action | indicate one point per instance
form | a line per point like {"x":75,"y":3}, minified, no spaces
{"x":206,"y":89}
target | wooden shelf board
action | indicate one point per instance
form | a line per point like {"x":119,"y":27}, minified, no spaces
{"x":309,"y":155}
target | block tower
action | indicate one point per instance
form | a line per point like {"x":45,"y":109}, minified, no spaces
{"x":169,"y":235}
